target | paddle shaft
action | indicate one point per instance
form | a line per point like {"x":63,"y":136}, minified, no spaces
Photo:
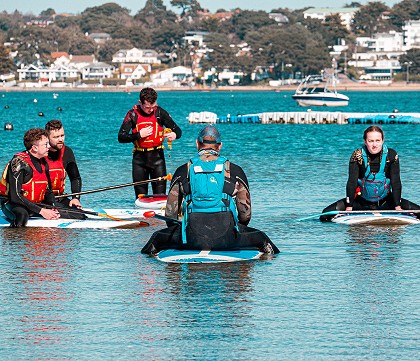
{"x":167,"y":177}
{"x":163,"y":218}
{"x":330,"y":213}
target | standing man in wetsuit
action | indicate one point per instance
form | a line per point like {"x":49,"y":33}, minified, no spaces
{"x":62,"y":162}
{"x":214,"y":196}
{"x":144,"y":126}
{"x":26,"y":181}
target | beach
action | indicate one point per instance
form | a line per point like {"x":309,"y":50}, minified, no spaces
{"x":346,"y":85}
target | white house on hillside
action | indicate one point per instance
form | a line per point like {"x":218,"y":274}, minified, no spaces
{"x":411,"y":31}
{"x":391,"y":41}
{"x":97,"y":71}
{"x":346,"y":14}
{"x":176,"y":76}
{"x":134,"y":55}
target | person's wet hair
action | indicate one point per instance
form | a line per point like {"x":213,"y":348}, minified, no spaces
{"x":373,"y":128}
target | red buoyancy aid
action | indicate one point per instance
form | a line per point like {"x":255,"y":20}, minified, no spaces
{"x":153,"y":140}
{"x":57,"y":173}
{"x":35,"y":189}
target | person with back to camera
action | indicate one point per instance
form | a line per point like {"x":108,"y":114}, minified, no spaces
{"x":374,"y":181}
{"x":214,"y":196}
{"x":146,"y":125}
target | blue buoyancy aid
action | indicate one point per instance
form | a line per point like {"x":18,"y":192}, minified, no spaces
{"x":206,"y":194}
{"x":375,"y":186}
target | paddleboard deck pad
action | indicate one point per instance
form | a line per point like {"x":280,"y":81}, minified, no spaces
{"x":199,"y":256}
{"x":377,"y":218}
{"x":151,"y":202}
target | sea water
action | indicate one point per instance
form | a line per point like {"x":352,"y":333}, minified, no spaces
{"x":335,"y":292}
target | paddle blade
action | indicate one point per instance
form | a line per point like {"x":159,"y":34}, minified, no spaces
{"x":143,"y":224}
{"x":169,"y":177}
{"x":149,"y":214}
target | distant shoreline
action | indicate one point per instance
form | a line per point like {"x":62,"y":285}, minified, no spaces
{"x":400,"y":86}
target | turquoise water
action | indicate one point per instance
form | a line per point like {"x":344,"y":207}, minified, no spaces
{"x":333,"y":293}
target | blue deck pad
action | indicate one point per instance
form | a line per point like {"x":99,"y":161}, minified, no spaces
{"x":198,"y":256}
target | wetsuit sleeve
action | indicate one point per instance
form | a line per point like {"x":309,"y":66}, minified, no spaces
{"x":394,"y":176}
{"x":355,"y":164}
{"x":125,"y":134}
{"x":72,"y":171}
{"x":176,"y":193}
{"x":242,"y":194}
{"x":167,"y":121}
{"x":20,"y":172}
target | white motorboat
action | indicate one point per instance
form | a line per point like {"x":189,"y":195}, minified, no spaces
{"x":319,"y":90}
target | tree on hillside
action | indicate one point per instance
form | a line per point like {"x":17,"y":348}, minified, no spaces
{"x":188,"y":7}
{"x":139,"y":37}
{"x":166,"y":38}
{"x":48,"y":12}
{"x":220,"y":54}
{"x":405,"y":10}
{"x":105,"y":18}
{"x":107,"y":50}
{"x":154,"y":14}
{"x":370,"y":19}
{"x":295,"y":45}
{"x":247,"y":20}
{"x":6,"y":63}
{"x":334,"y":30}
{"x":412,"y":60}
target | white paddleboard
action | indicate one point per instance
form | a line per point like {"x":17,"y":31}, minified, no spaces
{"x":192,"y":256}
{"x":75,"y":223}
{"x":151,"y":202}
{"x":377,"y":218}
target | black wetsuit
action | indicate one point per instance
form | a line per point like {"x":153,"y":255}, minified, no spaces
{"x":70,"y":166}
{"x":357,"y":170}
{"x":211,"y":230}
{"x":18,"y":209}
{"x":147,"y":164}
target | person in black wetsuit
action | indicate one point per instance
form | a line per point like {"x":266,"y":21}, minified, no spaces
{"x":144,"y":126}
{"x":374,"y":181}
{"x":216,"y":204}
{"x":61,"y":162}
{"x":26,"y":181}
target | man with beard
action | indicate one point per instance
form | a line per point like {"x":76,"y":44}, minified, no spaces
{"x":62,"y":162}
{"x":26,"y":184}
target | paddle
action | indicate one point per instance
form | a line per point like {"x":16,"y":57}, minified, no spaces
{"x":330,"y":213}
{"x":150,"y":214}
{"x":82,"y":211}
{"x":166,"y":177}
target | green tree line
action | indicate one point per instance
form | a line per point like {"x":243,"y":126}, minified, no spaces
{"x":302,"y":44}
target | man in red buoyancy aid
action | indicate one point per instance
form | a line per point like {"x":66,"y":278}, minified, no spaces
{"x":144,"y":126}
{"x":26,"y":181}
{"x":62,"y":163}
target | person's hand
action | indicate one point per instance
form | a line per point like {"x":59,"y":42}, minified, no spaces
{"x":398,"y":208}
{"x":349,"y":208}
{"x":49,"y":213}
{"x":145,"y":132}
{"x":170,"y":136}
{"x":75,"y":203}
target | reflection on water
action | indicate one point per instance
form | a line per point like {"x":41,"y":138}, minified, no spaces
{"x":374,"y":242}
{"x":37,"y":282}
